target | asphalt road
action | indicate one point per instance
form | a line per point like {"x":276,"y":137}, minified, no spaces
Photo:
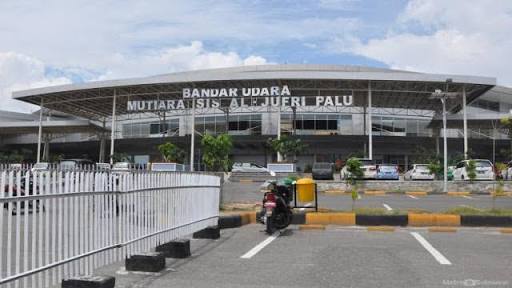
{"x":250,"y":193}
{"x":337,"y":257}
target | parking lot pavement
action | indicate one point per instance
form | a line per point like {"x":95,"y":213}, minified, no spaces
{"x":339,"y":257}
{"x":250,"y":192}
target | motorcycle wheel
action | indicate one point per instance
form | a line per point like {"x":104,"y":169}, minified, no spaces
{"x":270,"y":229}
{"x":282,"y":220}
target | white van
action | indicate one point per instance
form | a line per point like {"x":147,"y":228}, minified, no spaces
{"x":484,"y":170}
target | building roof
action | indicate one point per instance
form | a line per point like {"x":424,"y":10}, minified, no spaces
{"x":390,"y":88}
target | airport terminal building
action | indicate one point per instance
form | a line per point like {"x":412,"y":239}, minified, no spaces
{"x":387,"y":115}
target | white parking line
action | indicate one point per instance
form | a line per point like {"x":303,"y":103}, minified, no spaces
{"x":437,"y":255}
{"x":260,"y":246}
{"x":413,"y":197}
{"x":387,"y":206}
{"x":467,"y":197}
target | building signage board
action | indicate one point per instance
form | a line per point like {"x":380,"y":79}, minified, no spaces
{"x":273,"y":96}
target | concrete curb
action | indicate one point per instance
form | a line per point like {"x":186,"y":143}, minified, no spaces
{"x":351,"y":219}
{"x":413,"y":193}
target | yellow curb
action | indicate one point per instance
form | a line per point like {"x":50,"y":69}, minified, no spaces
{"x":381,"y":229}
{"x":331,"y":218}
{"x":335,"y":191}
{"x":506,"y":230}
{"x":504,"y":194}
{"x":419,"y":220}
{"x":416,"y":193}
{"x":312,"y":227}
{"x":465,"y":193}
{"x":248,"y":218}
{"x":442,"y":229}
{"x":375,"y":193}
{"x":245,"y":181}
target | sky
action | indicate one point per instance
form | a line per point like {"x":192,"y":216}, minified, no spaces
{"x":55,"y":42}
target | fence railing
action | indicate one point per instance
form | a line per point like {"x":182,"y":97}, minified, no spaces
{"x":56,"y":224}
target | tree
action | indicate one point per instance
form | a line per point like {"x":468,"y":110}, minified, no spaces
{"x":435,"y":167}
{"x":171,"y":152}
{"x":216,"y":151}
{"x":355,"y":172}
{"x":120,"y":157}
{"x":471,"y":170}
{"x":287,"y":146}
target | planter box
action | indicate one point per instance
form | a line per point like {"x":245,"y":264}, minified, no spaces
{"x":281,"y":167}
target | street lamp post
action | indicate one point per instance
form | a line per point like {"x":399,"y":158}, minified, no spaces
{"x":443,"y":96}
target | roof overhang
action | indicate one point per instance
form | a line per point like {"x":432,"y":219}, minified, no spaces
{"x":50,"y":127}
{"x":390,"y":88}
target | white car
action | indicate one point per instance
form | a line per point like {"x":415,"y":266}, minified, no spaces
{"x":484,"y":170}
{"x":369,"y":170}
{"x":248,"y":167}
{"x":419,"y":172}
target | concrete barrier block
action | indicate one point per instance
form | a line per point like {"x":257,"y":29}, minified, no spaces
{"x":211,"y":232}
{"x":489,"y":221}
{"x":89,"y":281}
{"x":146,"y":262}
{"x":179,"y":248}
{"x":342,"y":219}
{"x":298,"y":218}
{"x":230,"y":221}
{"x":433,"y":219}
{"x":381,"y":220}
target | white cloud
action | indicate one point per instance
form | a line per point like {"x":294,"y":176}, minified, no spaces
{"x":445,"y":37}
{"x":18,"y":72}
{"x":178,"y":58}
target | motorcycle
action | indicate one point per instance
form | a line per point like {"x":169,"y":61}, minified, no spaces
{"x":276,"y":213}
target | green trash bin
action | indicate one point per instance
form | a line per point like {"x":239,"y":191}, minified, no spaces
{"x":305,"y":190}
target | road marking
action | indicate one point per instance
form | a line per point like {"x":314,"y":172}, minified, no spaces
{"x":467,"y":197}
{"x":260,"y":246}
{"x":413,"y":197}
{"x":437,"y":255}
{"x":387,"y":206}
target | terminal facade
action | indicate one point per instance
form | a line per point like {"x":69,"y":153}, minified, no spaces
{"x":338,"y":111}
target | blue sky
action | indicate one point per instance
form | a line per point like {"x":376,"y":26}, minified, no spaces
{"x":56,"y":42}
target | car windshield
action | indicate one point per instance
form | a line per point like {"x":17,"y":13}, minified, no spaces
{"x":322,"y":166}
{"x":162,"y":167}
{"x":40,"y":166}
{"x":422,"y":168}
{"x":387,"y":168}
{"x":67,"y":164}
{"x":483,"y":163}
{"x":121,"y":166}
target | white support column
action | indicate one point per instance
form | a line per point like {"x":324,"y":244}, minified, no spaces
{"x":113,"y":128}
{"x":369,"y":125}
{"x":465,"y":122}
{"x":445,"y":149}
{"x":279,"y":156}
{"x":40,"y":133}
{"x":192,"y":134}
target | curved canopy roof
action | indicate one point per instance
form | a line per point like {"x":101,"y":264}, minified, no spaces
{"x":390,"y":88}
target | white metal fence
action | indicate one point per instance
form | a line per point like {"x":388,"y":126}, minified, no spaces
{"x":57,"y":224}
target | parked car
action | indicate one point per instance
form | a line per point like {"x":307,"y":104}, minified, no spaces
{"x":248,"y":167}
{"x":103,"y":166}
{"x":41,"y":166}
{"x":122,"y":167}
{"x":387,"y":172}
{"x":72,"y":164}
{"x":419,"y":172}
{"x":323,"y":170}
{"x":167,"y":167}
{"x":368,"y":166}
{"x":484,"y":170}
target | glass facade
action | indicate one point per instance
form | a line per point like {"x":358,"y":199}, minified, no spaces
{"x":317,"y":124}
{"x":146,"y":129}
{"x":394,"y":126}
